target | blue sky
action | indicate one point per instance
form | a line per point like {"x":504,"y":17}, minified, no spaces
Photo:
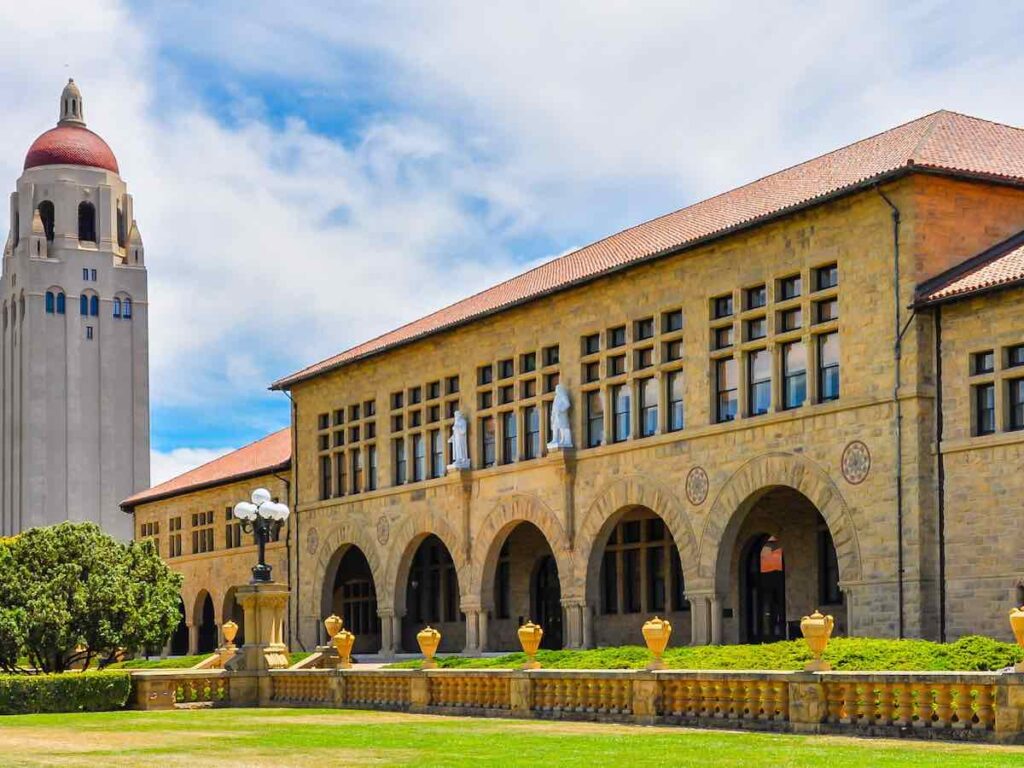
{"x":308,"y":177}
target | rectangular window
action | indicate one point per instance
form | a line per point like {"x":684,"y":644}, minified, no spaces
{"x":397,"y":400}
{"x":397,"y":423}
{"x":419,"y":458}
{"x":486,"y":400}
{"x":400,"y":461}
{"x":757,"y":328}
{"x":828,"y":367}
{"x":723,"y":337}
{"x":756,"y":297}
{"x":595,"y":418}
{"x":591,"y":372}
{"x":551,"y":355}
{"x":672,"y":321}
{"x":452,"y":385}
{"x":827,"y":277}
{"x":487,"y":440}
{"x":433,"y":390}
{"x":371,"y":467}
{"x":791,"y":319}
{"x":726,"y":388}
{"x":794,"y":374}
{"x":617,"y":365}
{"x":325,"y":477}
{"x":675,"y":385}
{"x":759,"y":382}
{"x":357,"y":471}
{"x":643,"y":329}
{"x":415,"y":395}
{"x":721,"y":306}
{"x":673,"y":351}
{"x":592,"y":344}
{"x":985,"y":409}
{"x":827,"y":310}
{"x":353,"y":412}
{"x":528,"y":389}
{"x":622,"y":403}
{"x":339,"y":416}
{"x":339,"y":474}
{"x":1016,"y":404}
{"x":89,"y":334}
{"x":528,"y":362}
{"x":982,"y":362}
{"x":485,"y":374}
{"x":531,"y":430}
{"x":644,"y":359}
{"x":436,"y":454}
{"x":505,"y":369}
{"x":1015,"y":356}
{"x":434,"y":413}
{"x":655,"y":579}
{"x":790,"y":287}
{"x":509,"y":437}
{"x":550,"y":382}
{"x":506,"y":394}
{"x":648,"y":407}
{"x":616,"y":337}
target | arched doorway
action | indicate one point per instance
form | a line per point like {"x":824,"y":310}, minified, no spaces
{"x":783,"y":566}
{"x":233,"y":612}
{"x":432,"y":597}
{"x":353,"y":597}
{"x":179,"y":640}
{"x":634,"y":573}
{"x":523,"y":586}
{"x":207,"y":632}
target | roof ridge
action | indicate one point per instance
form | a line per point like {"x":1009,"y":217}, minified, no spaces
{"x":937,"y":118}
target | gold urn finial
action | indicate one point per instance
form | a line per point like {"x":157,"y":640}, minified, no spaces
{"x":333,"y":625}
{"x":230,"y":630}
{"x":1017,"y":625}
{"x":530,"y":635}
{"x":343,"y":641}
{"x":428,"y":638}
{"x":817,"y":629}
{"x":656,"y":633}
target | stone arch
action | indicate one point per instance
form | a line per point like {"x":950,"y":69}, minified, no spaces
{"x":499,"y":523}
{"x":625,"y":493}
{"x":406,"y":539}
{"x":329,"y":555}
{"x":747,"y":485}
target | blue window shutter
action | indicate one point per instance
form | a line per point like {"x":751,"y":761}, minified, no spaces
{"x":49,"y":302}
{"x":61,"y":303}
{"x":83,"y":304}
{"x":117,"y":307}
{"x":127,"y":311}
{"x":94,"y":306}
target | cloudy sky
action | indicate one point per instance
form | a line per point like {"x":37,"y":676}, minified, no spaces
{"x":308,"y":175}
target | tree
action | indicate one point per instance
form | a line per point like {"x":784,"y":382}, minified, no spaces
{"x":70,"y":593}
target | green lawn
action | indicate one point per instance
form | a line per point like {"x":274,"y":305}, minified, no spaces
{"x":184,"y":662}
{"x":294,"y":738}
{"x":852,"y":654}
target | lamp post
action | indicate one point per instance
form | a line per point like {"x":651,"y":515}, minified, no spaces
{"x":263,"y":517}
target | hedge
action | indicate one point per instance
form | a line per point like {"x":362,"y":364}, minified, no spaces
{"x":66,"y":692}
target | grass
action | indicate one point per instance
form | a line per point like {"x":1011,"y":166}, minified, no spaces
{"x":184,"y":662}
{"x":844,"y":653}
{"x":295,"y":738}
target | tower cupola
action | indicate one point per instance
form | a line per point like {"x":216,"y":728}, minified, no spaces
{"x":71,"y":110}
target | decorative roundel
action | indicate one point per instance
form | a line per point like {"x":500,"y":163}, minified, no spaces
{"x":383,"y":530}
{"x":697,"y":486}
{"x":856,"y":462}
{"x":312,"y":541}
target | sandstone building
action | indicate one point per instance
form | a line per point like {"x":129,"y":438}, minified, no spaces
{"x":74,"y":345}
{"x":805,"y":392}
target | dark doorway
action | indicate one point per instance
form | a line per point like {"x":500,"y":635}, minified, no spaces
{"x":547,"y":601}
{"x":208,"y":628}
{"x":432,"y":598}
{"x":765,"y":591}
{"x":179,"y":640}
{"x":354,"y":599}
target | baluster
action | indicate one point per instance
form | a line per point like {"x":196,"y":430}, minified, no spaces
{"x":986,"y":710}
{"x":764,"y":700}
{"x":943,"y":706}
{"x":923,"y":704}
{"x":866,"y":704}
{"x":782,"y":699}
{"x":964,"y":708}
{"x":904,"y":706}
{"x":885,"y":704}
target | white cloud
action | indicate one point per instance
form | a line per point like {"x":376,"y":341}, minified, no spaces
{"x":165,"y":465}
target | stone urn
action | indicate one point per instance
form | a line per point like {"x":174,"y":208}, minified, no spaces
{"x":1017,"y":625}
{"x":530,"y":635}
{"x":230,"y":630}
{"x":428,"y":638}
{"x":343,"y":641}
{"x":817,"y":630}
{"x":333,"y":625}
{"x":657,"y":631}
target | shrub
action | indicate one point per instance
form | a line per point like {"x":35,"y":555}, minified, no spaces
{"x":68,"y":692}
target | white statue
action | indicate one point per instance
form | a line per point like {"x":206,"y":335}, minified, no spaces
{"x":460,"y":449}
{"x":561,"y":431}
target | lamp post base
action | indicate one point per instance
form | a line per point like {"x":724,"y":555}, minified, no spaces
{"x":264,"y":605}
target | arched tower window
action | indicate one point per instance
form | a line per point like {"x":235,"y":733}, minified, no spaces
{"x":117,"y":307}
{"x":61,"y":303}
{"x":94,"y":306}
{"x":126,"y":309}
{"x":46,"y":214}
{"x":87,"y":222}
{"x":51,"y":303}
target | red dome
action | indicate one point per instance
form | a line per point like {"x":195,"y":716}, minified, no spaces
{"x":70,"y":145}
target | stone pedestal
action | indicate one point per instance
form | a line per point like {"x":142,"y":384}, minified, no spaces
{"x":265,"y":607}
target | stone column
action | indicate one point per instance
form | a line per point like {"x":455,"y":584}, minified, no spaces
{"x":700,"y":633}
{"x":574,"y":611}
{"x":472,"y":634}
{"x":193,"y":639}
{"x":396,"y":632}
{"x":587,"y":620}
{"x":482,"y":629}
{"x":716,"y":619}
{"x":387,"y":635}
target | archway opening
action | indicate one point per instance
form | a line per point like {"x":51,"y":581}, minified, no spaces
{"x":635,"y":572}
{"x":353,"y":597}
{"x":207,"y":626}
{"x":179,"y":640}
{"x":782,"y":566}
{"x":523,"y":585}
{"x":432,"y":597}
{"x":233,"y":612}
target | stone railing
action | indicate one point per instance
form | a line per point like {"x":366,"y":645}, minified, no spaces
{"x":972,"y":705}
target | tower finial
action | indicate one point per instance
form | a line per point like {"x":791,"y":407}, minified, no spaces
{"x":71,"y":108}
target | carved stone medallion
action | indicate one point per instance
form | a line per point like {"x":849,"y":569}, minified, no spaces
{"x":312,"y":541}
{"x":856,"y":462}
{"x":697,"y":486}
{"x":383,"y":530}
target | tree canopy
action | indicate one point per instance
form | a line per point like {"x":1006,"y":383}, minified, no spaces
{"x":71,"y":594}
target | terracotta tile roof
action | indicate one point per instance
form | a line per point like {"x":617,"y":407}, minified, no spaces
{"x":943,"y":141}
{"x":270,"y":453}
{"x":1000,"y":265}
